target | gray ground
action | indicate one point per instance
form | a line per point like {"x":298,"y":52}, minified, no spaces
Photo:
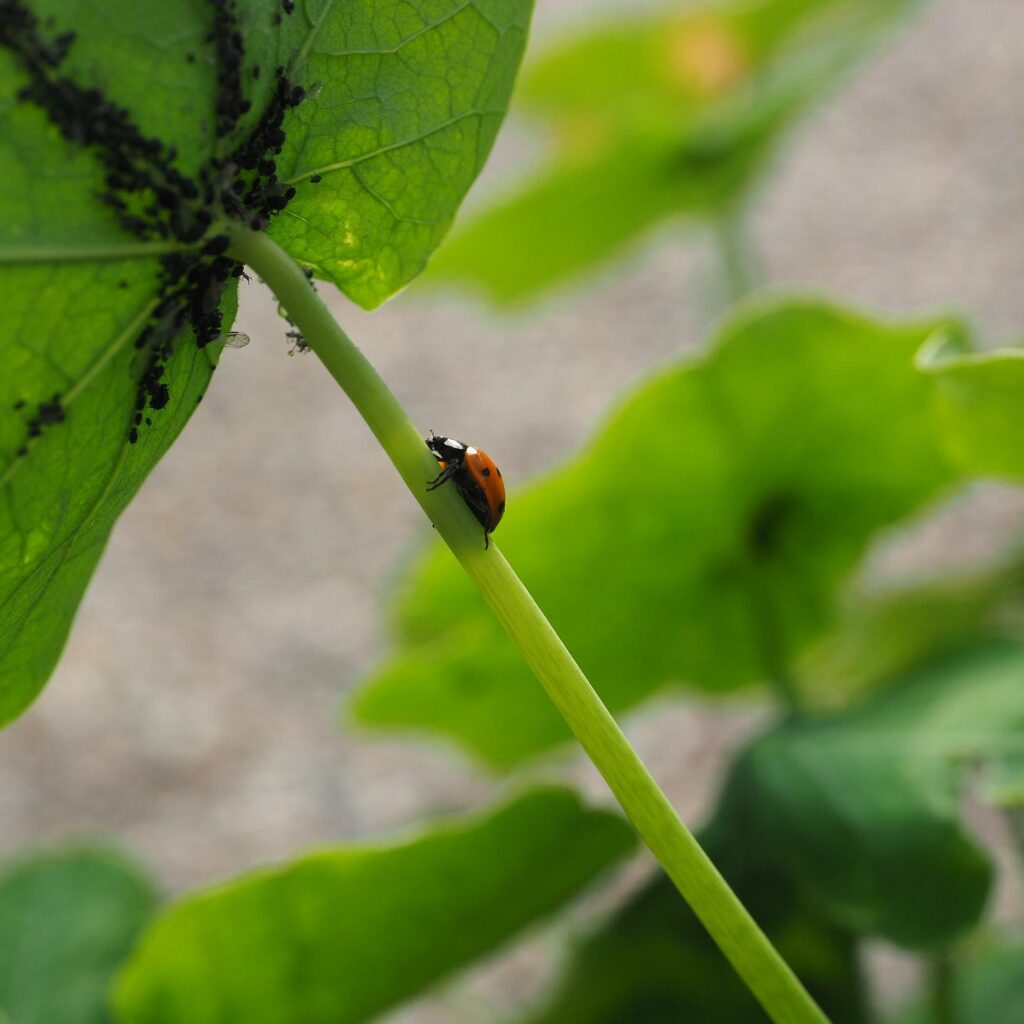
{"x":193,"y":715}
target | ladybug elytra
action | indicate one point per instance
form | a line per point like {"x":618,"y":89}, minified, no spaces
{"x":475,"y":476}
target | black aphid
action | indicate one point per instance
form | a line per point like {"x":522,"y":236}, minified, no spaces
{"x":150,"y":197}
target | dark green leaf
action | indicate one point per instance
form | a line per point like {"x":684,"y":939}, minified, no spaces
{"x":653,"y":963}
{"x":700,"y":538}
{"x":862,"y":809}
{"x":664,"y":117}
{"x":341,"y":935}
{"x":67,"y":919}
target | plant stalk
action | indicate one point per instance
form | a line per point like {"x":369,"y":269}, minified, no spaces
{"x":1014,"y":816}
{"x":737,"y":262}
{"x":942,"y":993}
{"x":737,"y":934}
{"x":768,"y":630}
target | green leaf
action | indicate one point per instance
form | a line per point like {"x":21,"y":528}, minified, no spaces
{"x":886,"y":630}
{"x":69,"y":331}
{"x":77,"y":292}
{"x":653,"y":963}
{"x":343,"y":934}
{"x":413,"y":94}
{"x":67,"y":919}
{"x":979,"y":401}
{"x":673,"y":116}
{"x":988,"y":985}
{"x":405,"y":105}
{"x":700,"y":537}
{"x":862,"y":809}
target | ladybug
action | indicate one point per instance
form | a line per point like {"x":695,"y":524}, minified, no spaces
{"x":475,"y":477}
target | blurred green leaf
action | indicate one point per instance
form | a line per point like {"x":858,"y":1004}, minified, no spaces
{"x":988,"y":986}
{"x":653,"y":963}
{"x":671,"y":116}
{"x":412,"y":98}
{"x":342,"y":935}
{"x":862,"y":809}
{"x":980,"y":406}
{"x":67,"y":919}
{"x":887,"y":630}
{"x":700,"y":538}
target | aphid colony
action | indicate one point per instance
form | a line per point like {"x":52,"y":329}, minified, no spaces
{"x":151,"y":198}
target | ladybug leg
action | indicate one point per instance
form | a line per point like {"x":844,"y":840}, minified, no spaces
{"x":446,"y":474}
{"x":487,"y":540}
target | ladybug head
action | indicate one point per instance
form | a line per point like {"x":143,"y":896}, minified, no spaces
{"x":446,"y":449}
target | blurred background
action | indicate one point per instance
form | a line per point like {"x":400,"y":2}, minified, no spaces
{"x":194,"y":717}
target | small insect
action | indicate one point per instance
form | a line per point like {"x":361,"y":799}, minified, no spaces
{"x":233,"y":339}
{"x":475,"y":476}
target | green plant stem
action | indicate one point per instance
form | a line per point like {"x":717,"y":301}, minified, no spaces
{"x":698,"y":880}
{"x":1014,"y":816}
{"x":738,"y":272}
{"x":767,"y":629}
{"x":942,"y":995}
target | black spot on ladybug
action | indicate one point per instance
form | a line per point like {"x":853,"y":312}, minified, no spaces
{"x":485,"y":471}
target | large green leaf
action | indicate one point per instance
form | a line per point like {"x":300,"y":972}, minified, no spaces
{"x":343,"y":934}
{"x":68,"y":331}
{"x":77,"y":291}
{"x":980,"y":406}
{"x":413,"y":94}
{"x":699,"y":538}
{"x":67,"y":920}
{"x":862,"y":810}
{"x":403,"y":104}
{"x":669,"y":116}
